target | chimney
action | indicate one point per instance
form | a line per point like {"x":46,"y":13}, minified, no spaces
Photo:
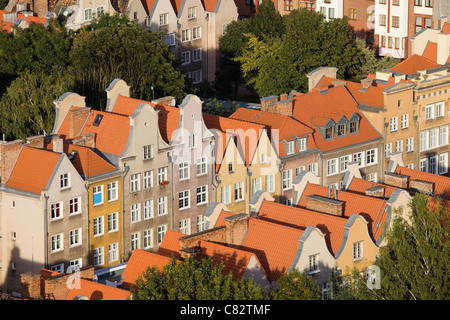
{"x":284,"y":107}
{"x":283,"y":96}
{"x":422,"y":186}
{"x":317,"y":74}
{"x":190,"y":252}
{"x":57,"y":144}
{"x":366,"y":83}
{"x":30,"y":285}
{"x":338,"y":83}
{"x":236,"y":228}
{"x":36,"y":142}
{"x":9,"y":152}
{"x":396,"y":180}
{"x":167,"y":101}
{"x":41,"y":8}
{"x":322,"y":88}
{"x":266,"y":102}
{"x":376,"y":191}
{"x":325,"y":205}
{"x":77,"y":119}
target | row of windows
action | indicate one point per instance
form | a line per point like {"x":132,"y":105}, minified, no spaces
{"x":148,"y":208}
{"x":392,"y":42}
{"x":184,"y":197}
{"x":112,"y":193}
{"x":147,"y":238}
{"x":337,"y":165}
{"x":437,"y":164}
{"x":196,"y":56}
{"x":57,"y":240}
{"x":56,"y":208}
{"x":404,"y":122}
{"x":89,"y":12}
{"x":196,"y":33}
{"x":184,"y":169}
{"x":433,"y":138}
{"x":147,"y":179}
{"x":185,"y":225}
{"x":399,"y":146}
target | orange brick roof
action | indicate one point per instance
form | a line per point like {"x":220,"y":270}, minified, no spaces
{"x":148,"y":5}
{"x":287,"y":127}
{"x":331,"y":226}
{"x":368,"y":207}
{"x":446,"y":28}
{"x":209,"y":5}
{"x":316,"y":108}
{"x":96,"y":291}
{"x":430,"y":51}
{"x":33,"y":170}
{"x":413,"y":64}
{"x":31,"y":19}
{"x":169,"y":246}
{"x":87,"y":162}
{"x":441,"y":183}
{"x":139,"y":261}
{"x":360,"y":185}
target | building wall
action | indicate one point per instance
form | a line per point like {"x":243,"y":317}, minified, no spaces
{"x":361,"y":15}
{"x":79,"y":19}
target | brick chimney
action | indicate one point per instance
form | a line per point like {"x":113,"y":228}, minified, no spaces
{"x":236,"y":228}
{"x":422,"y":186}
{"x":58,"y":144}
{"x":9,"y":152}
{"x":325,"y":205}
{"x":77,"y":119}
{"x":87,"y":140}
{"x":366,"y":83}
{"x":283,"y":107}
{"x":267,"y":101}
{"x":36,"y":142}
{"x":167,"y":101}
{"x":40,"y":8}
{"x":396,"y":180}
{"x":30,"y":285}
{"x":375,"y":191}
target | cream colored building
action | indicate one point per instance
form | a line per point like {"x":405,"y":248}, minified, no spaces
{"x":86,"y":10}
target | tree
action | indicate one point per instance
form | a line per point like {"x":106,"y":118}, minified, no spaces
{"x":295,"y":286}
{"x":193,"y":279}
{"x":415,"y":264}
{"x":27,"y":107}
{"x":102,"y":53}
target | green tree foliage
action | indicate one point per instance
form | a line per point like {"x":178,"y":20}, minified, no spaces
{"x":295,"y":286}
{"x":193,"y":280}
{"x":101,"y":53}
{"x":415,"y":265}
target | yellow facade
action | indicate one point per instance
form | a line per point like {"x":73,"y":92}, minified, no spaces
{"x":105,"y":221}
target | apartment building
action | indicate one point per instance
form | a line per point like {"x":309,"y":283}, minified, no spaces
{"x":361,"y":15}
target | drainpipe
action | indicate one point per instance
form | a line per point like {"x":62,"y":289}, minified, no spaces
{"x":46,"y":230}
{"x":321,"y":167}
{"x":207,"y":46}
{"x":87,"y":217}
{"x":416,"y":117}
{"x":280,"y":169}
{"x":382,"y":150}
{"x":249,"y":174}
{"x":171,"y":161}
{"x":125,"y":171}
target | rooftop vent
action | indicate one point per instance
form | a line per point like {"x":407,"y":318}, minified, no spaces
{"x":97,"y":120}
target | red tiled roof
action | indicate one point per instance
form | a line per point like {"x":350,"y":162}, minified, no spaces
{"x":315,"y":108}
{"x":139,"y":261}
{"x":446,"y":28}
{"x":287,"y":127}
{"x":209,"y":5}
{"x":87,"y":162}
{"x":31,"y":19}
{"x":441,"y":183}
{"x":360,"y":185}
{"x":430,"y":51}
{"x":95,"y":291}
{"x":413,"y":64}
{"x":33,"y":169}
{"x":169,"y":246}
{"x":148,"y":5}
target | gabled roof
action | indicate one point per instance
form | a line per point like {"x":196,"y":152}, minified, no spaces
{"x":33,"y":169}
{"x":170,"y":246}
{"x":360,"y":186}
{"x":441,"y":183}
{"x":413,"y":64}
{"x":288,"y":128}
{"x":148,"y":5}
{"x":210,"y":5}
{"x":20,"y":16}
{"x":139,"y":261}
{"x":95,"y":291}
{"x":430,"y":51}
{"x":316,"y":108}
{"x":332,"y":226}
{"x":446,"y":28}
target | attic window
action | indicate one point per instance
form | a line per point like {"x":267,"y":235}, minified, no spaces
{"x":97,"y":120}
{"x":329,"y":133}
{"x":341,"y":130}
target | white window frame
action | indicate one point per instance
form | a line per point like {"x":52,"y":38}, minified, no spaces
{"x":98,"y":226}
{"x":287,"y":179}
{"x":197,"y":76}
{"x":192,"y":13}
{"x":185,"y":57}
{"x":64,"y":181}
{"x":147,"y":152}
{"x":270,"y":183}
{"x":344,"y":160}
{"x":314,"y":265}
{"x":201,"y":223}
{"x":302,"y":144}
{"x":148,"y":209}
{"x":410,"y":144}
{"x":434,"y":138}
{"x":429,"y":112}
{"x":113,"y":194}
{"x":387,"y":149}
{"x":170,"y":39}
{"x":443,"y":163}
{"x":74,"y":202}
{"x":202,"y":194}
{"x":332,"y":167}
{"x":135,"y":212}
{"x":99,"y":258}
{"x":394,"y":124}
{"x":196,"y":33}
{"x":135,"y":183}
{"x":56,"y":211}
{"x":185,"y":35}
{"x":135,"y":241}
{"x":375,"y":157}
{"x":113,"y":252}
{"x":239,"y":191}
{"x":185,"y":226}
{"x":148,"y":238}
{"x":399,"y":146}
{"x":358,"y":253}
{"x":147,"y":179}
{"x":113,"y":222}
{"x":290,"y":147}
{"x":88,"y":14}
{"x":201,"y":166}
{"x":162,"y":205}
{"x":424,"y":140}
{"x":405,"y":121}
{"x":197,"y":54}
{"x":57,"y":242}
{"x":184,"y":171}
{"x":162,"y":175}
{"x":75,"y":237}
{"x":225,"y":193}
{"x":314,"y":168}
{"x":443,"y":135}
{"x":161,"y":232}
{"x":163,"y":19}
{"x":97,"y":190}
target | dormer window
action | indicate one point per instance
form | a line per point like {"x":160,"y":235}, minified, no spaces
{"x":329,"y":133}
{"x":302,"y":146}
{"x":354,"y":124}
{"x":290,"y":147}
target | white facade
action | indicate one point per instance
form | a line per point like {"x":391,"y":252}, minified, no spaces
{"x":86,"y":10}
{"x":330,"y":8}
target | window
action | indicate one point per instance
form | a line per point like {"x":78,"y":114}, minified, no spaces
{"x":395,"y":2}
{"x":147,"y":179}
{"x":382,"y":20}
{"x":424,"y":165}
{"x":185,"y":35}
{"x":359,"y":157}
{"x":409,"y":144}
{"x":148,"y":209}
{"x":162,"y":175}
{"x":192,"y":141}
{"x":371,"y":177}
{"x":224,"y":28}
{"x":112,"y":191}
{"x":314,"y":168}
{"x":329,"y":133}
{"x":197,"y":54}
{"x":98,"y":256}
{"x":288,"y":5}
{"x":443,"y":137}
{"x":162,"y":205}
{"x":429,"y":3}
{"x":256,"y":184}
{"x":332,"y":167}
{"x":135,"y":212}
{"x":185,"y":57}
{"x":185,"y":226}
{"x":443,"y":163}
{"x":100,"y":11}
{"x":170,"y":39}
{"x":75,"y":237}
{"x":202,"y":195}
{"x":424,"y":140}
{"x":183,"y":171}
{"x":382,"y":1}
{"x":399,"y":146}
{"x":352,"y":14}
{"x":113,"y":252}
{"x":225,"y":193}
{"x":135,"y":182}
{"x":287,"y":179}
{"x":98,"y":226}
{"x":395,"y":21}
{"x":97,"y":197}
{"x":134,"y":241}
{"x":57,"y":242}
{"x":429,"y":112}
{"x":357,"y":251}
{"x":56,"y":210}
{"x":344,"y":161}
{"x":196,"y":33}
{"x":434,"y":137}
{"x":201,"y":166}
{"x":230,"y":167}
{"x":161,"y":231}
{"x":290,"y":147}
{"x":302,"y":144}
{"x":163,"y":19}
{"x":331,"y":13}
{"x":87,"y":14}
{"x":270,"y":183}
{"x":341,"y":130}
{"x":440,"y":109}
{"x":432,"y":164}
{"x":74,"y":205}
{"x":197,"y":76}
{"x":387,"y":149}
{"x":418,"y":3}
{"x":239,"y":191}
{"x":394,"y":124}
{"x":405,"y":121}
{"x":147,"y":152}
{"x":314,"y":263}
{"x":192,"y":12}
{"x":371,"y":156}
{"x":64,"y":181}
{"x":148,"y":238}
{"x":113,"y":222}
{"x":201,"y":223}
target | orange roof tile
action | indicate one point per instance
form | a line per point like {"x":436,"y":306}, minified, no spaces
{"x":31,"y":19}
{"x":148,"y":5}
{"x":209,"y":5}
{"x":33,"y":170}
{"x":371,"y":208}
{"x":139,"y":261}
{"x":169,"y":246}
{"x":331,"y":226}
{"x":287,"y":127}
{"x":88,"y":163}
{"x":446,"y":28}
{"x":441,"y":183}
{"x":314,"y":108}
{"x":430,"y":51}
{"x":413,"y":64}
{"x":95,"y":291}
{"x":360,"y":186}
